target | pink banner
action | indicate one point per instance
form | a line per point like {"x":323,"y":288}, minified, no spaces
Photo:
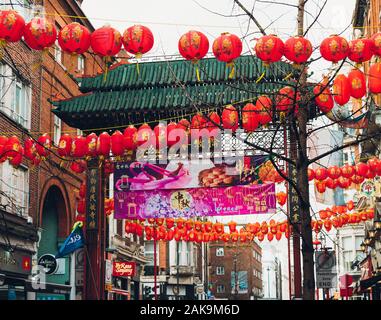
{"x":235,"y":200}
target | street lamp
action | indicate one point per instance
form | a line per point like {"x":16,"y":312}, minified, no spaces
{"x":372,"y":233}
{"x":377,"y":225}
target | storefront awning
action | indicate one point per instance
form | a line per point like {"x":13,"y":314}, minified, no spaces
{"x":53,"y":288}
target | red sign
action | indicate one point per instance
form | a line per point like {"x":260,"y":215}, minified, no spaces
{"x":345,"y":282}
{"x":123,"y":269}
{"x":26,"y":263}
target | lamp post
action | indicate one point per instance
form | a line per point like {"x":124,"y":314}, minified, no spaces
{"x":268,"y":281}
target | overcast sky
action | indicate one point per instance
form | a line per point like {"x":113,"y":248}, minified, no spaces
{"x":169,"y":19}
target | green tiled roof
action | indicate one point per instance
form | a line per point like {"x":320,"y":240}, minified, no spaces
{"x":164,"y":89}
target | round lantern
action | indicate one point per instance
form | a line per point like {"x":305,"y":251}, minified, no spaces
{"x":281,"y":198}
{"x":78,"y":166}
{"x":74,"y":38}
{"x":64,"y":145}
{"x":334,"y":172}
{"x":311,"y":174}
{"x":117,"y":143}
{"x":198,"y":121}
{"x":361,"y":169}
{"x":91,"y":140}
{"x":250,"y":118}
{"x":194,"y":45}
{"x":264,"y":109}
{"x":103,"y":145}
{"x":82,"y":190}
{"x":175,"y":134}
{"x":341,"y":90}
{"x":356,"y":179}
{"x":226,"y":48}
{"x":11,"y":26}
{"x":323,"y":98}
{"x":285,"y":100}
{"x":230,"y":118}
{"x":138,"y":40}
{"x":43,"y":145}
{"x":269,"y":49}
{"x":184,"y":124}
{"x":344,"y":183}
{"x":360,"y":50}
{"x":321,"y":174}
{"x":320,"y":186}
{"x":357,"y":83}
{"x":40,"y":33}
{"x":347,"y":171}
{"x":297,"y":49}
{"x":374,"y":78}
{"x":376,"y":39}
{"x":145,"y":135}
{"x":232,"y":226}
{"x":79,"y":147}
{"x":106,"y":41}
{"x":373,"y":164}
{"x":160,"y":132}
{"x":16,"y":160}
{"x":331,"y":183}
{"x":214,"y":121}
{"x":29,"y":149}
{"x":334,"y":48}
{"x":130,"y":138}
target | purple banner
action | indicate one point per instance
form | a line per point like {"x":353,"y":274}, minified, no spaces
{"x":236,"y":200}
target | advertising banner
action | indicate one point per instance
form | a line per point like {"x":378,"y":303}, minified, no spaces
{"x":185,"y":174}
{"x":123,"y":269}
{"x":235,"y":200}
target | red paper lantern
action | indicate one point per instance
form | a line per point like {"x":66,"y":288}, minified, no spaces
{"x":40,"y":33}
{"x":361,"y":169}
{"x":117,"y":143}
{"x":145,"y":135}
{"x":331,"y":183}
{"x":138,"y":40}
{"x":198,"y":121}
{"x":30,"y":149}
{"x":81,"y":206}
{"x":270,"y":237}
{"x":285,"y":99}
{"x":281,"y":198}
{"x":297,"y":49}
{"x":103,"y":144}
{"x":334,"y":172}
{"x":230,"y":118}
{"x":269,"y":49}
{"x":311,"y":174}
{"x":213,"y":116}
{"x":11,"y":26}
{"x":227,"y":47}
{"x":376,"y":39}
{"x":374,"y":78}
{"x":344,"y":183}
{"x":232,"y":226}
{"x":64,"y":145}
{"x":373,"y":164}
{"x":347,"y":171}
{"x":82,"y":190}
{"x":193,"y":45}
{"x":341,"y":89}
{"x":323,"y":98}
{"x":250,"y":118}
{"x":360,"y":50}
{"x":321,"y":174}
{"x":334,"y":48}
{"x":106,"y":41}
{"x":43,"y":145}
{"x":16,"y":160}
{"x":78,"y":166}
{"x":91,"y":140}
{"x":320,"y":186}
{"x":130,"y":138}
{"x":356,"y":179}
{"x":79,"y":147}
{"x":264,"y":108}
{"x":169,"y":222}
{"x":357,"y":83}
{"x":74,"y":38}
{"x":328,"y":225}
{"x":175,"y":134}
{"x":160,"y":132}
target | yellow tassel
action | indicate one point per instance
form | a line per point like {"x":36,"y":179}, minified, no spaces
{"x":137,"y":67}
{"x":3,"y":44}
{"x":261,"y":77}
{"x":282,"y":116}
{"x":198,"y":74}
{"x":106,"y":60}
{"x":231,"y":74}
{"x":288,"y":76}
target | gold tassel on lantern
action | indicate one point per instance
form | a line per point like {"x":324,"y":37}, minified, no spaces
{"x":232,"y":71}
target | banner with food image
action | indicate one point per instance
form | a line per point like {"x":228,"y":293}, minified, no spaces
{"x":184,"y":174}
{"x":193,"y":202}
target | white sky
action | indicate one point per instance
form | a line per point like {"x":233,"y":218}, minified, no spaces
{"x":169,"y":19}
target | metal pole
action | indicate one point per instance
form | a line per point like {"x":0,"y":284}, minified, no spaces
{"x":177,"y":273}
{"x":268,"y":281}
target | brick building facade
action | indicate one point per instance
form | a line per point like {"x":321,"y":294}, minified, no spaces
{"x":39,"y":202}
{"x":235,"y":271}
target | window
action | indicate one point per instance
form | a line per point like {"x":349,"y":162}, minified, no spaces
{"x":220,"y":252}
{"x":15,"y":96}
{"x":149,"y":252}
{"x":81,"y":64}
{"x":220,"y":271}
{"x":220,"y":288}
{"x":15,"y":184}
{"x":57,"y":130}
{"x":347,"y":252}
{"x":184,"y":253}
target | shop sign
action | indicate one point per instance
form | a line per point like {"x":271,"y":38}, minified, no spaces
{"x":49,"y":262}
{"x":123,"y":269}
{"x":15,"y":262}
{"x":368,"y":188}
{"x":108,"y":272}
